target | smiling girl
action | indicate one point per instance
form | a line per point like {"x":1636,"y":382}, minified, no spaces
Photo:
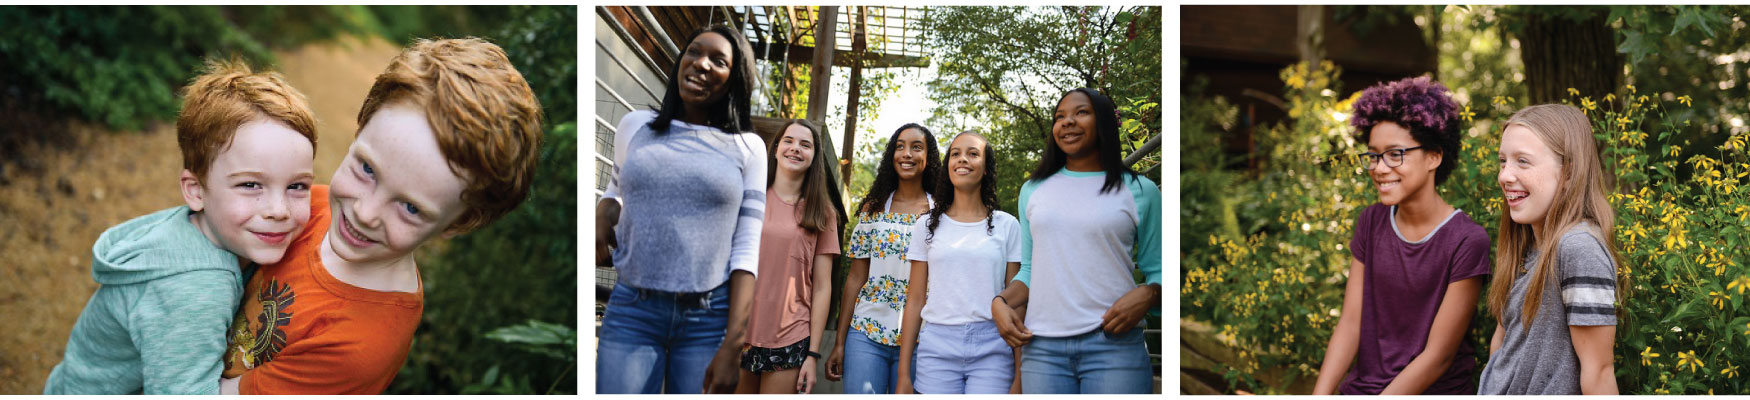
{"x":1554,"y":187}
{"x":1088,"y":224}
{"x":798,"y":241}
{"x":866,"y":354}
{"x":1418,"y":263}
{"x":970,"y":248}
{"x":681,"y":222}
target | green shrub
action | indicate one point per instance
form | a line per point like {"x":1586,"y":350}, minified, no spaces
{"x":118,"y":66}
{"x":1267,"y":265}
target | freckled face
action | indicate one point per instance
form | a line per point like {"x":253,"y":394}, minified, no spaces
{"x":1530,"y":175}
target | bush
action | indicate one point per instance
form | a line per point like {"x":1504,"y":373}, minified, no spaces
{"x":1268,"y":265}
{"x":118,"y":66}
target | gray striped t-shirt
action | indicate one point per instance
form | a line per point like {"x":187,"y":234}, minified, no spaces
{"x":692,"y":202}
{"x":1542,"y":360}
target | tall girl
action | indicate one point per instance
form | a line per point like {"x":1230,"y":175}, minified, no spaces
{"x":1556,"y":247}
{"x":798,"y":241}
{"x":866,"y":354}
{"x":681,"y":220}
{"x":971,"y":249}
{"x":1419,"y":263}
{"x":1087,"y":222}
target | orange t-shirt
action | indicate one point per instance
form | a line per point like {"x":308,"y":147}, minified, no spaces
{"x":302,"y":331}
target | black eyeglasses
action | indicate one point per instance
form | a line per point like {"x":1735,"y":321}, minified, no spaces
{"x":1393,"y":158}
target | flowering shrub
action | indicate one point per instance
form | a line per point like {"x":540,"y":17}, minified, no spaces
{"x":1271,"y":275}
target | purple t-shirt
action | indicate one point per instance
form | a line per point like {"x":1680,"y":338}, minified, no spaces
{"x":1404,"y":284}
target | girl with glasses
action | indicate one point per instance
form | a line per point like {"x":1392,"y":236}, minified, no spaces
{"x":1419,"y":263}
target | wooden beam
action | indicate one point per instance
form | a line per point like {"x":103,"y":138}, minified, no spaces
{"x":775,"y":53}
{"x":859,"y":45}
{"x":820,"y":81}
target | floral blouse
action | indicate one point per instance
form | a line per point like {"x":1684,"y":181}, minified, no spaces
{"x":882,"y":238}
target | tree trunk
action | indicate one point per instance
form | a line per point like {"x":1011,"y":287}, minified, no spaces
{"x":1562,"y":53}
{"x":859,"y":48}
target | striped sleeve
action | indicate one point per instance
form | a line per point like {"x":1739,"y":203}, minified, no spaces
{"x":1588,"y":279}
{"x":744,"y":250}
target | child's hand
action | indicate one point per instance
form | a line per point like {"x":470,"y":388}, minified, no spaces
{"x":835,"y":364}
{"x":805,"y":379}
{"x":1128,"y":310}
{"x":1009,"y":324}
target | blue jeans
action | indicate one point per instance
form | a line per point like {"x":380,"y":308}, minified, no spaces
{"x":871,"y":368}
{"x":963,"y":359}
{"x":654,"y":340}
{"x":1093,"y":362}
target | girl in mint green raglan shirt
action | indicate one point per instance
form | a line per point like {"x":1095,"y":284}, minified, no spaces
{"x":1087,"y":223}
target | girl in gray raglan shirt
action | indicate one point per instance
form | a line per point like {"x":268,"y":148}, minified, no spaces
{"x":1552,"y":181}
{"x":688,"y":191}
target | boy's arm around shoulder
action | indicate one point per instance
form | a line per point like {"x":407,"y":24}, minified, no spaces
{"x":179,"y":326}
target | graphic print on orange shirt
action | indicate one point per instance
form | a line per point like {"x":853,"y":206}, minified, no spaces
{"x":257,"y":345}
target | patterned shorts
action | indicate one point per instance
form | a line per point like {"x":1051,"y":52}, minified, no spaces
{"x":762,"y":360}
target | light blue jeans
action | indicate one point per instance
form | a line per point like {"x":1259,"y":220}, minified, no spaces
{"x":963,"y":359}
{"x":870,"y":367}
{"x":1093,"y":362}
{"x":654,"y":340}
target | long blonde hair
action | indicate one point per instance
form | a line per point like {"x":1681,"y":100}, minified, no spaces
{"x":1578,"y":199}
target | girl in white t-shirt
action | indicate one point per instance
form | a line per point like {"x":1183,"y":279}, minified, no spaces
{"x":971,"y":248}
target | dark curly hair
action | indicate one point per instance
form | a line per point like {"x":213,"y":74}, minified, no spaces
{"x":987,"y":189}
{"x":1420,"y":105}
{"x":731,"y":114}
{"x":887,"y":178}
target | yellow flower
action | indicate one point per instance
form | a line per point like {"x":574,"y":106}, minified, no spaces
{"x":1683,"y":99}
{"x":1587,"y":104}
{"x":1503,"y":100}
{"x":1573,"y":92}
{"x":1631,"y":88}
{"x":1690,"y":359}
{"x":1718,"y":299}
{"x":1647,"y":356}
{"x":1676,"y":149}
{"x":1466,"y":114}
{"x":1609,"y":96}
{"x":1741,"y":284}
{"x":1731,"y":371}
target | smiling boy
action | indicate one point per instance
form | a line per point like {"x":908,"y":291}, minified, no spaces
{"x":448,"y":139}
{"x":171,"y":279}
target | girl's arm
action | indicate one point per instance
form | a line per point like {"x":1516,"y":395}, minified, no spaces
{"x":1340,"y":353}
{"x":607,"y":214}
{"x":1004,"y":310}
{"x":817,"y":320}
{"x":1451,"y":322}
{"x":721,"y":375}
{"x":1008,"y":274}
{"x":915,"y":296}
{"x":1594,"y":345}
{"x":835,"y":363}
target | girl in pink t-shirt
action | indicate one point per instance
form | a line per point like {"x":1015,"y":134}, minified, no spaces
{"x":793,"y":289}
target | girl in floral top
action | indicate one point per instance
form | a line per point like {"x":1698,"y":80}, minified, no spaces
{"x":875,"y":287}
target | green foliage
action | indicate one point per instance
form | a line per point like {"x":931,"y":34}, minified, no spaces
{"x":119,"y":66}
{"x":1275,"y":288}
{"x":522,"y":267}
{"x":558,"y":342}
{"x":1045,"y":52}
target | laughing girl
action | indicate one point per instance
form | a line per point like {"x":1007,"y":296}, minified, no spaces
{"x":1554,"y":186}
